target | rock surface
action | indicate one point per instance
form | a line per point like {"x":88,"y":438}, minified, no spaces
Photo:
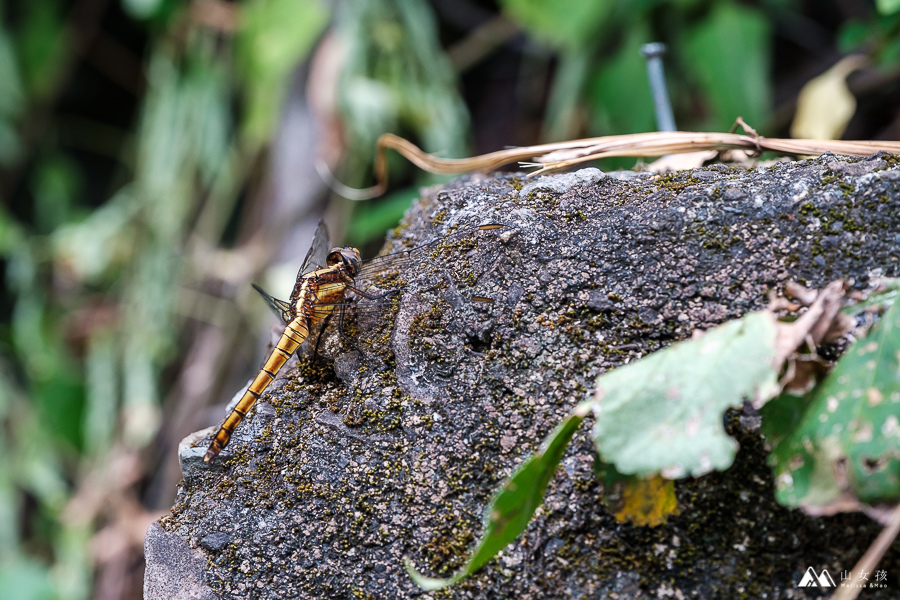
{"x":347,"y":468}
{"x":173,"y":570}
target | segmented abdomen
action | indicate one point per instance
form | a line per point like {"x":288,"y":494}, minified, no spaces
{"x":294,"y":335}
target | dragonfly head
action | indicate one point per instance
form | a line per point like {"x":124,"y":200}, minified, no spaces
{"x":347,"y":257}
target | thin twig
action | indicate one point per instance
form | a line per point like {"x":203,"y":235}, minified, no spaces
{"x":873,"y":555}
{"x":489,"y":36}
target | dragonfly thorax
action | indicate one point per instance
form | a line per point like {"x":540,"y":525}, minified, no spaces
{"x":347,"y":257}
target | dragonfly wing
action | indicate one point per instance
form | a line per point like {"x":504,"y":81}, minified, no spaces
{"x":374,"y":269}
{"x":279,"y":307}
{"x":318,"y":251}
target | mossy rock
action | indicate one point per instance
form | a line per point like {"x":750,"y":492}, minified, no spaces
{"x":345,"y":470}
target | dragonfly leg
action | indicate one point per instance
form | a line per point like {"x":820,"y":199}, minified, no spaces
{"x":365,"y":355}
{"x":344,"y":335}
{"x":314,"y":352}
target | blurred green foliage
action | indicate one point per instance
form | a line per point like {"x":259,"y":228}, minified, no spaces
{"x":122,"y":211}
{"x":878,"y":36}
{"x":395,"y":78}
{"x":273,"y":37}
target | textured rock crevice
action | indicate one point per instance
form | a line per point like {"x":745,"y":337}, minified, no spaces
{"x":351,"y":466}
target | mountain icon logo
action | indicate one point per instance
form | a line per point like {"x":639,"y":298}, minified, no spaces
{"x":811,"y":579}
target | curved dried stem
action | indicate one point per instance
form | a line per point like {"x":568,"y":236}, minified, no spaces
{"x":559,"y":155}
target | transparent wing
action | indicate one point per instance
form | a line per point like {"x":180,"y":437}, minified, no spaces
{"x":377,"y":305}
{"x":279,"y":307}
{"x":374,"y":269}
{"x":318,"y":251}
{"x":369,"y":306}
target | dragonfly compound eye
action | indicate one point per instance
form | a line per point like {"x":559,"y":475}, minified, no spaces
{"x":351,"y":259}
{"x":335,"y":257}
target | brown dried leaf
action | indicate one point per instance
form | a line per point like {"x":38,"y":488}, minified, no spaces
{"x":825,"y":104}
{"x":814,"y":324}
{"x":800,"y":293}
{"x":803,"y":372}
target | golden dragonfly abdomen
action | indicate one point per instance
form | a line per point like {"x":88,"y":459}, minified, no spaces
{"x":294,"y":335}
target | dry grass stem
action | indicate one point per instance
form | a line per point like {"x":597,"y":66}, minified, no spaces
{"x":552,"y":157}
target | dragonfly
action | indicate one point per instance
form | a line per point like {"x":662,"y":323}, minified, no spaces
{"x":322,"y":286}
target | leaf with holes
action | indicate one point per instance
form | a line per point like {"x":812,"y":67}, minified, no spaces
{"x":839,"y":445}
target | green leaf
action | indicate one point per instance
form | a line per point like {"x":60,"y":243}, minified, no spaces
{"x":854,"y":35}
{"x":10,"y":144}
{"x":61,"y":399}
{"x":568,"y":83}
{"x":840,"y":444}
{"x":372,"y":219}
{"x":100,"y":412}
{"x":55,"y":186}
{"x":44,"y":46}
{"x":559,"y":22}
{"x":102,"y":243}
{"x":887,"y":294}
{"x":10,"y":233}
{"x":512,"y":508}
{"x":663,"y":413}
{"x":728,"y":53}
{"x":396,"y":77}
{"x":11,"y":94}
{"x":142,"y":9}
{"x":620,"y":92}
